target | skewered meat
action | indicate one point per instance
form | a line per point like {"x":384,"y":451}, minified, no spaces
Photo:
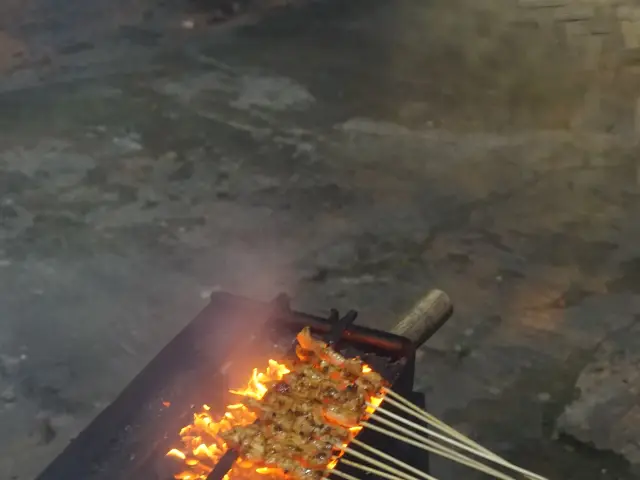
{"x":342,"y":416}
{"x":306,"y":415}
{"x":321,"y":349}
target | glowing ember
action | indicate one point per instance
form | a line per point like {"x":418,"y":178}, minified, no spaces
{"x":203,"y":447}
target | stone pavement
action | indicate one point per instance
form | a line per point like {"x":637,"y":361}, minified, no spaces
{"x":606,"y":413}
{"x":605,"y":36}
{"x":355,"y":154}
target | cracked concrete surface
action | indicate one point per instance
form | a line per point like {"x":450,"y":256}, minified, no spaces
{"x":353,"y":153}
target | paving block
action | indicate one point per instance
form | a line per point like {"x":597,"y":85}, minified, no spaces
{"x":593,"y":51}
{"x":637,"y":129}
{"x":630,"y":33}
{"x":606,"y":413}
{"x":574,"y":13}
{"x":575,"y":31}
{"x":543,"y":3}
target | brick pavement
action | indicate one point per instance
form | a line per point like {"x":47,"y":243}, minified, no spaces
{"x":605,"y":35}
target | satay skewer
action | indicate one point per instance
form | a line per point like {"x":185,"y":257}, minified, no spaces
{"x":380,"y":411}
{"x":445,"y":452}
{"x":388,"y":458}
{"x":346,"y":476}
{"x":448,"y":436}
{"x":379,"y":464}
{"x":459,"y":440}
{"x":379,"y":473}
{"x":491,"y":458}
{"x":402,"y":403}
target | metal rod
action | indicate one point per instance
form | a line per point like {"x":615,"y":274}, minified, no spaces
{"x":340,"y":325}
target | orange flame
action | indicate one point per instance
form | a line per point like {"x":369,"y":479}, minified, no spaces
{"x":203,"y":447}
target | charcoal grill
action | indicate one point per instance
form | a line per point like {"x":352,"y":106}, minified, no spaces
{"x":130,"y":438}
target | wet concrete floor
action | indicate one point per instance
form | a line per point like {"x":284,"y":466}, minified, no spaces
{"x":353,"y":153}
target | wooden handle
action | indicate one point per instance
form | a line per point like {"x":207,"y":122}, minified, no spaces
{"x":425,"y":318}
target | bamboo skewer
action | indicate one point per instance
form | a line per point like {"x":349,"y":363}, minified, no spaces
{"x":432,"y":433}
{"x":346,"y":476}
{"x":471,"y":446}
{"x":399,"y":401}
{"x":389,"y":458}
{"x":409,"y":435}
{"x":446,"y":453}
{"x":389,"y":468}
{"x":377,"y":463}
{"x":377,"y":472}
{"x":491,"y":458}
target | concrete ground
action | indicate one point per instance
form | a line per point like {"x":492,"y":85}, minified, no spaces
{"x":355,"y":153}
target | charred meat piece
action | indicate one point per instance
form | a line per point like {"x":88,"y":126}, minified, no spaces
{"x":303,"y":417}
